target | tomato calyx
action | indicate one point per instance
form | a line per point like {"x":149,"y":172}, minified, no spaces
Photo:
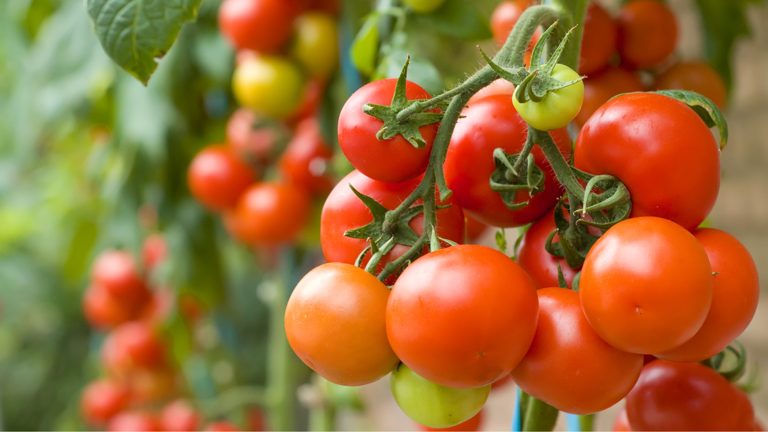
{"x":575,"y":241}
{"x":608,"y":207}
{"x":515,"y":173}
{"x":731,"y":363}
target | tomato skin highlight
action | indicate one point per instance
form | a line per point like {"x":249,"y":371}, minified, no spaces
{"x":540,"y":265}
{"x":598,"y":40}
{"x":490,"y":123}
{"x":133,"y":422}
{"x":559,"y":107}
{"x":390,"y":161}
{"x":180,"y":416}
{"x":259,"y":25}
{"x":568,"y":366}
{"x":736,"y":291}
{"x":217,"y":178}
{"x":102,"y":400}
{"x":641,"y":139}
{"x":463,"y":316}
{"x":269,"y":213}
{"x":646,"y":285}
{"x":694,"y":76}
{"x":601,"y":87}
{"x":335,"y":323}
{"x":687,"y":396}
{"x":647,"y":33}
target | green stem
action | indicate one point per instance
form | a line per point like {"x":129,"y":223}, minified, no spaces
{"x":392,"y":266}
{"x":587,"y":422}
{"x":231,"y":400}
{"x":539,"y":416}
{"x":572,"y":12}
{"x":529,"y":143}
{"x":560,"y":166}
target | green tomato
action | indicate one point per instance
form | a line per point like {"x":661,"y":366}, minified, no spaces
{"x":431,"y":404}
{"x":558,"y":107}
{"x":424,"y":6}
{"x":314,"y":43}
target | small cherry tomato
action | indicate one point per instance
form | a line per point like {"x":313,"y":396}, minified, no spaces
{"x":270,"y":85}
{"x":647,"y":33}
{"x":133,"y":422}
{"x":217,"y":178}
{"x":133,"y":345}
{"x":306,"y":161}
{"x":179,"y":415}
{"x":254,"y":138}
{"x":601,"y":87}
{"x":498,"y":87}
{"x":736,"y":290}
{"x":646,"y":285}
{"x":424,"y":6}
{"x":315,"y":44}
{"x":102,"y":400}
{"x":118,"y":273}
{"x":536,"y":261}
{"x":504,"y":18}
{"x":622,"y":422}
{"x":268,"y":214}
{"x":598,"y":41}
{"x":391,"y":161}
{"x":559,"y":107}
{"x":472,"y":424}
{"x":104,"y":310}
{"x":221,"y":426}
{"x":694,"y":76}
{"x":259,"y":25}
{"x":153,"y":251}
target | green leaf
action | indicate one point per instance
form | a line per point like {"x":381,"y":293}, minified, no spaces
{"x":135,"y":33}
{"x":365,"y":47}
{"x":705,"y":108}
{"x":458,"y":19}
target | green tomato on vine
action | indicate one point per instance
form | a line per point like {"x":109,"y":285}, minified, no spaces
{"x":558,"y":107}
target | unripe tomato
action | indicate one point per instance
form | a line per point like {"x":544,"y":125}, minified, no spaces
{"x":492,"y":123}
{"x":694,"y":76}
{"x":315,"y":44}
{"x":424,"y":6}
{"x":504,"y":18}
{"x":133,"y":422}
{"x":104,"y":310}
{"x":462,"y":317}
{"x":601,"y":87}
{"x":221,"y":426}
{"x":133,"y":345}
{"x":335,"y":323}
{"x":153,"y":251}
{"x":736,"y":290}
{"x":687,"y":396}
{"x":647,"y":33}
{"x":559,"y":107}
{"x":270,"y":85}
{"x":644,"y":149}
{"x":103,"y":399}
{"x":391,"y":161}
{"x":255,"y":139}
{"x":540,"y":265}
{"x":179,"y":415}
{"x":622,"y":422}
{"x":598,"y":41}
{"x":568,"y":366}
{"x":217,"y":177}
{"x":307,"y":159}
{"x":472,"y":424}
{"x":432,"y":404}
{"x":259,"y":25}
{"x":646,"y":285}
{"x":268,"y":214}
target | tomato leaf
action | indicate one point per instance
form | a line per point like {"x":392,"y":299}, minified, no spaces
{"x":458,"y":19}
{"x":365,"y":47}
{"x":705,"y":108}
{"x":135,"y":33}
{"x":501,"y":241}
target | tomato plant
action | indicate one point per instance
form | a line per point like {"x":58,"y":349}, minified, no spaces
{"x":259,"y":25}
{"x":647,"y":33}
{"x":268,"y":213}
{"x":598,"y":41}
{"x":694,"y":76}
{"x":314,"y":43}
{"x":217,"y":177}
{"x":270,"y":85}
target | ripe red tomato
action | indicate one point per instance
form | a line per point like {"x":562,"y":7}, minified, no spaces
{"x":179,"y":415}
{"x":473,"y":424}
{"x":568,"y":366}
{"x":647,"y":33}
{"x":256,"y":419}
{"x":133,"y":345}
{"x":475,"y":228}
{"x":695,"y":76}
{"x":101,"y":400}
{"x":307,"y":159}
{"x":153,"y":251}
{"x":221,"y":426}
{"x":622,"y":422}
{"x":489,"y":124}
{"x":217,"y":178}
{"x":462,"y":317}
{"x":104,"y":310}
{"x":540,"y":265}
{"x":601,"y":87}
{"x":505,"y":17}
{"x":598,"y":41}
{"x":498,"y":87}
{"x":736,"y":290}
{"x":117,"y":272}
{"x":268,"y":214}
{"x":646,"y":285}
{"x":254,"y":138}
{"x":344,"y":211}
{"x":259,"y":25}
{"x":133,"y":422}
{"x":687,"y":396}
{"x":642,"y":139}
{"x":391,"y":161}
{"x":335,"y":323}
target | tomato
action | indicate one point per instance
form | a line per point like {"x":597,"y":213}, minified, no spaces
{"x":473,"y":424}
{"x":344,"y":211}
{"x":568,"y":366}
{"x":424,"y":6}
{"x":103,"y":399}
{"x":217,"y":178}
{"x":259,"y":25}
{"x":695,"y":76}
{"x":179,"y":415}
{"x":475,"y":228}
{"x":736,"y":290}
{"x":687,"y":396}
{"x":131,"y":346}
{"x":256,"y":419}
{"x":504,"y":18}
{"x":498,"y":87}
{"x":489,"y":124}
{"x":598,"y":41}
{"x":221,"y":426}
{"x":310,"y":102}
{"x":153,"y":251}
{"x":255,"y":139}
{"x":559,"y":107}
{"x":622,"y":422}
{"x":329,"y":6}
{"x":148,"y":386}
{"x":506,"y":379}
{"x":642,"y":139}
{"x":315,"y":44}
{"x":601,"y":87}
{"x":268,"y":214}
{"x":536,"y":261}
{"x":306,"y":161}
{"x":117,"y":272}
{"x":335,"y":324}
{"x":270,"y":85}
{"x":133,"y":422}
{"x":647,"y":33}
{"x":391,"y":161}
{"x":104,"y":310}
{"x":646,"y":285}
{"x":434,"y":405}
{"x":159,"y":307}
{"x":462,"y":316}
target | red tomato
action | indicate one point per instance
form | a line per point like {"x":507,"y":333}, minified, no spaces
{"x":269,"y":214}
{"x":598,"y":41}
{"x":117,"y":272}
{"x":473,"y":424}
{"x":646,"y":285}
{"x":217,"y":178}
{"x":736,"y":290}
{"x":133,"y":422}
{"x":463,"y":316}
{"x":694,"y":76}
{"x":179,"y":415}
{"x":622,"y":422}
{"x":260,"y":25}
{"x":159,"y":307}
{"x":687,"y":396}
{"x":536,"y":261}
{"x":335,"y":324}
{"x":498,"y":87}
{"x":391,"y":161}
{"x":306,"y":162}
{"x":642,"y":139}
{"x":601,"y":87}
{"x":254,"y":138}
{"x":153,"y":251}
{"x":505,"y":17}
{"x":344,"y":211}
{"x":133,"y":345}
{"x":647,"y":33}
{"x":501,"y":382}
{"x":493,"y":123}
{"x":104,"y":311}
{"x":568,"y":366}
{"x":310,"y":101}
{"x":256,"y":419}
{"x":101,"y":400}
{"x":475,"y":229}
{"x":221,"y":426}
